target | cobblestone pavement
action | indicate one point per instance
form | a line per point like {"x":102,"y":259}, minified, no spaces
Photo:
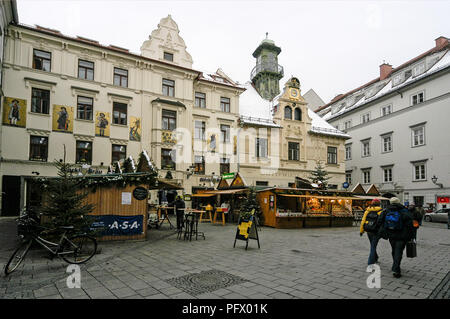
{"x":291,"y":264}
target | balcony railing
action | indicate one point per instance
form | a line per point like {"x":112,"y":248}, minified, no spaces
{"x":267,"y":67}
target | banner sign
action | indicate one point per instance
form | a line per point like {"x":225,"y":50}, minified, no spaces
{"x":228,"y":176}
{"x":114,"y":225}
{"x":443,"y":200}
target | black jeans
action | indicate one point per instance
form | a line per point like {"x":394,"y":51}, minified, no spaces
{"x":398,"y":246}
{"x":180,"y":216}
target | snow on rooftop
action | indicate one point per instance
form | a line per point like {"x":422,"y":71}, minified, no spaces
{"x":319,"y":125}
{"x":442,"y":63}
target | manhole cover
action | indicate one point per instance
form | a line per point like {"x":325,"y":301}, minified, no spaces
{"x":442,"y":291}
{"x":205,"y":281}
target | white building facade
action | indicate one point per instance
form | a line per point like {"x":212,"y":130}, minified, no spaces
{"x":398,"y":125}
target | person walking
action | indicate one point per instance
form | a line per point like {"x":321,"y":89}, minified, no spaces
{"x":396,"y":225}
{"x":369,"y":224}
{"x":179,"y":209}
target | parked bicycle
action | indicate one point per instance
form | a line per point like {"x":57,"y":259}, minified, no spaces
{"x":76,"y":249}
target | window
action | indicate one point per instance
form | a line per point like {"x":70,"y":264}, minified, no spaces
{"x":348,"y":152}
{"x":38,"y":148}
{"x":261,"y":147}
{"x":120,"y":77}
{"x":366,"y":176}
{"x":365,"y":148}
{"x":168,"y":87}
{"x":168,"y":56}
{"x":288,"y":113}
{"x":119,"y":152}
{"x":294,"y":151}
{"x":225,"y":104}
{"x":119,"y":113}
{"x":298,"y":114}
{"x":199,"y":131}
{"x":386,"y":110}
{"x":84,"y":108}
{"x":387,"y":143}
{"x":366,"y":118}
{"x":419,"y":69}
{"x":40,"y":101}
{"x":166,"y":159}
{"x":387,"y":175}
{"x":417,"y":98}
{"x":199,"y":162}
{"x":200,"y":99}
{"x":418,"y":136}
{"x":265,"y":183}
{"x":332,"y":155}
{"x":42,"y":60}
{"x":224,"y":166}
{"x":224,"y":133}
{"x":169,"y":120}
{"x":347,"y":125}
{"x":419,"y":172}
{"x":419,"y":200}
{"x":85,"y":70}
{"x":348,"y":177}
{"x":84,"y":152}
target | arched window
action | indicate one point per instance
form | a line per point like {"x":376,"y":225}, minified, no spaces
{"x":298,"y":114}
{"x":288,"y":113}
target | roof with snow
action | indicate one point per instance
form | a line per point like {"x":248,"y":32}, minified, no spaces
{"x":422,"y":66}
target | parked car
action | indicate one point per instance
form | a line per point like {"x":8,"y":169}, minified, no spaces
{"x":440,"y":215}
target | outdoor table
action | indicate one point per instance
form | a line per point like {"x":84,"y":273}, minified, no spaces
{"x":220,"y":210}
{"x":166,"y":215}
{"x":207,"y":211}
{"x":191,"y":219}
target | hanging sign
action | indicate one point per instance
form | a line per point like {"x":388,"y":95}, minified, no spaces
{"x":228,"y":176}
{"x":443,"y":200}
{"x":140,"y":193}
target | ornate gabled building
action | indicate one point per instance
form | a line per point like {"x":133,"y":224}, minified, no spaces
{"x":95,"y":105}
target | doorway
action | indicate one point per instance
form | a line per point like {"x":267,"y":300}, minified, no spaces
{"x":11,"y":195}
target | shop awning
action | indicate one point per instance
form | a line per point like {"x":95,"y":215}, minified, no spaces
{"x":371,"y":197}
{"x":227,"y":191}
{"x":318,"y":196}
{"x":203,"y":195}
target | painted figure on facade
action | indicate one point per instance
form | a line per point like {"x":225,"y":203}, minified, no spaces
{"x":63,"y":119}
{"x":212,"y":143}
{"x":14,"y":112}
{"x":102,"y":123}
{"x":135,"y":130}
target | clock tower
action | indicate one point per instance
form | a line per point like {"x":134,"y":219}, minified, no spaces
{"x":267,"y":73}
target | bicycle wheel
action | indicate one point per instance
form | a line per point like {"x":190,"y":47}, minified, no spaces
{"x":78,"y":249}
{"x":17,"y":257}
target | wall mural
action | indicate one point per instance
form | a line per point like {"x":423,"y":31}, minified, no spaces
{"x":135,"y":129}
{"x":102,"y":124}
{"x":62,"y":118}
{"x":14,"y":112}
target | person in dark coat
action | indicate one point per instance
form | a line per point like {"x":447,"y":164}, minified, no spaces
{"x":179,"y":209}
{"x":396,"y":224}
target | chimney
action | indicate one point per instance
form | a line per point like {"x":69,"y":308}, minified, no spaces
{"x":441,"y":41}
{"x":385,"y":70}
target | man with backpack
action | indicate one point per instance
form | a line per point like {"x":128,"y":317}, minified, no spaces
{"x":369,"y":224}
{"x":396,"y":224}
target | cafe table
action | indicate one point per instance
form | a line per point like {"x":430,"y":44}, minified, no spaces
{"x":191,"y":219}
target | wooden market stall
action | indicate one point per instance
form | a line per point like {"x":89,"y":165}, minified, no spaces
{"x":363,"y":198}
{"x":298,"y":207}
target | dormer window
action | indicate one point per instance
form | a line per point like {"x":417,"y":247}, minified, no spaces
{"x":168,"y":56}
{"x":397,"y":79}
{"x":419,"y":69}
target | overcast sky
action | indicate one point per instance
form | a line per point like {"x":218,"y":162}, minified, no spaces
{"x":331,"y":46}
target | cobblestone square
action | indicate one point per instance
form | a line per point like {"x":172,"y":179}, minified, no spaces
{"x":292,"y":263}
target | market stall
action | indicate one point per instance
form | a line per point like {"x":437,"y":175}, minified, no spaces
{"x":298,"y":208}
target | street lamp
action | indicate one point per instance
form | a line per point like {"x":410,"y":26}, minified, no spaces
{"x":434,"y":180}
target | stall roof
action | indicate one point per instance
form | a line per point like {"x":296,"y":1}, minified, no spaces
{"x":319,"y":196}
{"x":227,"y":191}
{"x":372,"y":197}
{"x":203,"y":195}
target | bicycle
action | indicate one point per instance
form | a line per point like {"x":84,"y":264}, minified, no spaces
{"x":76,"y":249}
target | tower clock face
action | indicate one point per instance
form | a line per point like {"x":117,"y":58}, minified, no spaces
{"x":294,"y":93}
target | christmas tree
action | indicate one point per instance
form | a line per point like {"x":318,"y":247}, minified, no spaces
{"x":128,"y":165}
{"x":169,"y":175}
{"x":249,"y":204}
{"x":144,"y":163}
{"x":117,"y":168}
{"x":65,"y":203}
{"x":320,"y":176}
